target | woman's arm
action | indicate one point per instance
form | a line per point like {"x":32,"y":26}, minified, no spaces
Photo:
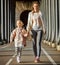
{"x":29,"y":22}
{"x":42,"y":23}
{"x":44,"y":31}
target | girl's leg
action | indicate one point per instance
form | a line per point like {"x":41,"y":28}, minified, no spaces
{"x":18,"y":54}
{"x":20,"y":51}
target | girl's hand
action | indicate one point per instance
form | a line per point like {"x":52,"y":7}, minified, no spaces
{"x":24,"y":33}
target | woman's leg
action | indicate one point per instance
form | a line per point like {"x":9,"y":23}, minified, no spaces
{"x":34,"y":42}
{"x":39,"y":39}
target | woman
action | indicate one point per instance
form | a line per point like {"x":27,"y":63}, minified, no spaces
{"x":36,"y":26}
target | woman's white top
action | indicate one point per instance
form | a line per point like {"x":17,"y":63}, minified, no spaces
{"x":35,"y":21}
{"x":34,"y":17}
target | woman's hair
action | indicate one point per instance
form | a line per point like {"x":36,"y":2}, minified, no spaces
{"x":35,"y":2}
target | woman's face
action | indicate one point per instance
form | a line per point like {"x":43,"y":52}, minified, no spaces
{"x":35,"y":7}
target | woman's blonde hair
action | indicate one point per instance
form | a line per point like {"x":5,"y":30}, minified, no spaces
{"x":35,"y":2}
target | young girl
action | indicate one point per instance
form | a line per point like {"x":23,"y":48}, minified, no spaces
{"x":19,"y":35}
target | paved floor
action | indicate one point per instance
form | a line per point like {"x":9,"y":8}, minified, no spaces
{"x":49,"y":56}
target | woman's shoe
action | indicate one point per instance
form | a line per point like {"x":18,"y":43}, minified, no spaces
{"x":38,"y":60}
{"x":35,"y":60}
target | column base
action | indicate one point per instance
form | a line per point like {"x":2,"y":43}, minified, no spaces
{"x":1,"y":43}
{"x":58,"y":47}
{"x":53,"y":45}
{"x":49,"y":43}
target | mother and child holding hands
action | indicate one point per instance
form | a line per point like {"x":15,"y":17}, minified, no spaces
{"x":35,"y":28}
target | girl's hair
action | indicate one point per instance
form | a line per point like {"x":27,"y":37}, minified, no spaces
{"x":20,"y":22}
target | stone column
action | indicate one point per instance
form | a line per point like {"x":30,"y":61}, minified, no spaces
{"x":52,"y":21}
{"x":46,"y":19}
{"x":6,"y":20}
{"x":0,"y":20}
{"x":49,"y":12}
{"x":44,"y":15}
{"x":2,"y":36}
{"x":56,"y":18}
{"x":11,"y":17}
{"x":12,"y":14}
{"x":59,"y":22}
{"x":8,"y":24}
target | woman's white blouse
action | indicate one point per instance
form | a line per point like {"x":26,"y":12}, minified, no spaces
{"x":35,"y":21}
{"x":34,"y":17}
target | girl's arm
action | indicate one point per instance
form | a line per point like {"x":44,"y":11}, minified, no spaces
{"x":29,"y":24}
{"x":24,"y":33}
{"x":12,"y":36}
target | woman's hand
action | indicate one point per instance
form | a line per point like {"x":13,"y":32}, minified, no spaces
{"x":44,"y":31}
{"x":29,"y":36}
{"x":24,"y":33}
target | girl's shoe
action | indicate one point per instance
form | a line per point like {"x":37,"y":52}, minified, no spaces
{"x":18,"y":59}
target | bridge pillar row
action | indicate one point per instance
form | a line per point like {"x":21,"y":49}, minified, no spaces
{"x":52,"y":17}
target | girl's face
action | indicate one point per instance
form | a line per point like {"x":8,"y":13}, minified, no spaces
{"x":36,"y":7}
{"x":19,"y":24}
